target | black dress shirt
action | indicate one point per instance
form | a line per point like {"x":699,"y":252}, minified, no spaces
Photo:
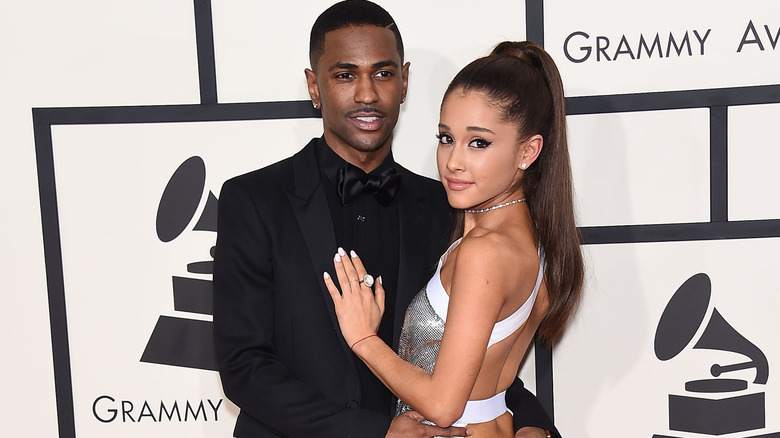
{"x":372,"y":231}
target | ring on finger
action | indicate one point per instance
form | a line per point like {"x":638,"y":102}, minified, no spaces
{"x":352,"y":281}
{"x":368,"y":280}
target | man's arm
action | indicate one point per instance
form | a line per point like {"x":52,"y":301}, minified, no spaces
{"x":528,"y":415}
{"x":253,"y":376}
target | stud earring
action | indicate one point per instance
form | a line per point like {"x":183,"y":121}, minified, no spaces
{"x":315,"y":105}
{"x":403,"y":99}
{"x":523,"y":166}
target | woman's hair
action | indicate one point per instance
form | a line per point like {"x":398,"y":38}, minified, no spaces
{"x":520,"y":80}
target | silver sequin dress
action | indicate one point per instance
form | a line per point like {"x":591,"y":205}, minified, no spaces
{"x":420,"y":337}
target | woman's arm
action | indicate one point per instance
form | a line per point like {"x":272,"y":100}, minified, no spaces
{"x":477,"y":294}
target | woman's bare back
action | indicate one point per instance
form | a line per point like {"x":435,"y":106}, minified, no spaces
{"x":501,"y":361}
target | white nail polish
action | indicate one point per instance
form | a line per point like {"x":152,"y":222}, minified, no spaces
{"x":338,"y":258}
{"x":342,"y":252}
{"x":380,"y":279}
{"x":325,"y":275}
{"x":353,"y":253}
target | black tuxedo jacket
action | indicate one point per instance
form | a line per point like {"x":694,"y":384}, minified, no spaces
{"x":280,"y":353}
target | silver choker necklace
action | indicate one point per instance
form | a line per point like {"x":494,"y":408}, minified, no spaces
{"x":496,"y":206}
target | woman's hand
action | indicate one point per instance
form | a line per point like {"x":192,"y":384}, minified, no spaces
{"x":358,"y":308}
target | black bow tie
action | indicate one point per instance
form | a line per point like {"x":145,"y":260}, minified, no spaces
{"x":353,"y":181}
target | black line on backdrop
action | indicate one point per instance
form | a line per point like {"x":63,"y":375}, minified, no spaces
{"x":719,"y":197}
{"x":543,"y":367}
{"x":204,"y":39}
{"x":534,"y":21}
{"x":534,"y":31}
{"x":300,"y":109}
{"x":63,"y":385}
{"x":669,"y":100}
{"x":683,"y":232}
{"x":303,"y":109}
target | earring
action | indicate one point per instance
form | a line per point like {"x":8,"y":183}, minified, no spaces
{"x":523,"y":166}
{"x":315,"y":105}
{"x":403,"y":99}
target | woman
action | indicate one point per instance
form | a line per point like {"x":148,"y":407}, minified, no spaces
{"x":503,"y":160}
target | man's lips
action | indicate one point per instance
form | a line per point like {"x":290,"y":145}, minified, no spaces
{"x":458,"y":184}
{"x":367,"y":120}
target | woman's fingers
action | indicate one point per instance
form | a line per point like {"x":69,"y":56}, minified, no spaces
{"x":359,"y":269}
{"x":364,"y":278}
{"x":349,"y":268}
{"x":334,"y":292}
{"x":379,"y":295}
{"x":358,"y":308}
{"x":340,"y":263}
{"x":351,"y":273}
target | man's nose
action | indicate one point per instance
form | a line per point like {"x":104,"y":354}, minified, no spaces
{"x":365,"y":91}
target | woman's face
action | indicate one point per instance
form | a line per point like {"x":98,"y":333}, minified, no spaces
{"x":478,"y":155}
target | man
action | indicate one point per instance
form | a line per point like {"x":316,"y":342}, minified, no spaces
{"x":281,"y":356}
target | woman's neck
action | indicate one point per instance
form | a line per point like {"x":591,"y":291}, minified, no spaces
{"x":495,"y":214}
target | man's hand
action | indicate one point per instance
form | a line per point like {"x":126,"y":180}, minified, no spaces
{"x":408,"y":425}
{"x":531,"y":432}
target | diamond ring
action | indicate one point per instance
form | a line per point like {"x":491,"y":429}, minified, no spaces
{"x":368,"y":280}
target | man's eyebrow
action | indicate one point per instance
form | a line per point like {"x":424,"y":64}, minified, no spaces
{"x":343,"y":66}
{"x":351,"y":66}
{"x":388,"y":63}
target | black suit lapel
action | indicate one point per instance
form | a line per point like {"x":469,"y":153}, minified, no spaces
{"x":310,"y":205}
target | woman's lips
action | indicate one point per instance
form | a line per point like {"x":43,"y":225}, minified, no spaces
{"x":458,"y":184}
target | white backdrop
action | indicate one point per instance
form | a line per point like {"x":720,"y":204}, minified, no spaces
{"x":648,"y":167}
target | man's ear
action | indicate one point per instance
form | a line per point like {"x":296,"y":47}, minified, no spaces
{"x":405,"y":79}
{"x":314,"y":90}
{"x":530,"y":150}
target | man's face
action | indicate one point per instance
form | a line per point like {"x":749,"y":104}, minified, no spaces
{"x":359,"y":83}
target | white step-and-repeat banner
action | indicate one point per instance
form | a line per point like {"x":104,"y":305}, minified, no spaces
{"x":131,"y":114}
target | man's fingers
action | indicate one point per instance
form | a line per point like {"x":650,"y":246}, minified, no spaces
{"x":435,"y":431}
{"x":414,"y":415}
{"x":451,"y":431}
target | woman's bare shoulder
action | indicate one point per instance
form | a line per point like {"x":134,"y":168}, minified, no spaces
{"x":496,"y":246}
{"x":496,"y":257}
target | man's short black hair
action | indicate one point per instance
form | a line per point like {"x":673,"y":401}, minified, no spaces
{"x":350,"y":13}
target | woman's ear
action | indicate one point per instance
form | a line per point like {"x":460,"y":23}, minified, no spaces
{"x":530,"y":150}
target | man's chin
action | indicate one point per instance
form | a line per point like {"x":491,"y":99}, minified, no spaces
{"x":368,"y":149}
{"x":369,"y":145}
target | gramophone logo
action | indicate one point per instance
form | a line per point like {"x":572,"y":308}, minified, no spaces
{"x":182,"y":341}
{"x":712,"y":406}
